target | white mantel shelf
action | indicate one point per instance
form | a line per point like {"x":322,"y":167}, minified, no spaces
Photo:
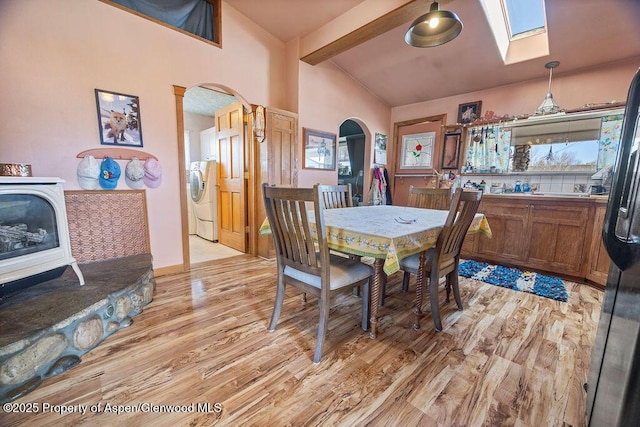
{"x":30,"y":180}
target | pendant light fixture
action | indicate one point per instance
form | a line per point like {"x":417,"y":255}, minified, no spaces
{"x":549,"y":105}
{"x":434,"y":28}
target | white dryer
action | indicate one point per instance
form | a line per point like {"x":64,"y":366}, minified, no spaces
{"x":203,"y":179}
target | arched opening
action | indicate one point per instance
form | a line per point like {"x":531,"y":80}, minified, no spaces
{"x":197,"y":134}
{"x":354,"y":158}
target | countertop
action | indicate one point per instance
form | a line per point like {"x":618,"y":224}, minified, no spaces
{"x":572,"y":197}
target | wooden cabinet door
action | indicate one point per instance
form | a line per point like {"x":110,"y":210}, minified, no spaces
{"x":557,"y":237}
{"x":599,"y":260}
{"x":508,"y":222}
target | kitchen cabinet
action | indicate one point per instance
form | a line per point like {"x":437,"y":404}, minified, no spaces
{"x":508,"y":222}
{"x":543,"y":233}
{"x":599,"y":260}
{"x":557,"y":233}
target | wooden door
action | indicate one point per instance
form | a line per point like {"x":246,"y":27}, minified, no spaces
{"x":232,"y":214}
{"x":418,"y":177}
{"x":277,"y":165}
{"x":281,"y":140}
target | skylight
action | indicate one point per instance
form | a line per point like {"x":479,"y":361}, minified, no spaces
{"x":518,"y":27}
{"x":524,"y":16}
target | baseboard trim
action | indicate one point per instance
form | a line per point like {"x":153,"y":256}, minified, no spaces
{"x":165,"y":271}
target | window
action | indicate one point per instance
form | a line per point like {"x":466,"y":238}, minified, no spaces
{"x":344,"y":162}
{"x":197,"y":18}
{"x":583,"y":145}
{"x":586,"y":142}
{"x":564,"y":156}
{"x":524,"y":17}
{"x":518,"y":27}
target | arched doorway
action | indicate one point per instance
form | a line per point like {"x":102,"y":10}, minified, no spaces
{"x":354,"y":158}
{"x":197,"y":139}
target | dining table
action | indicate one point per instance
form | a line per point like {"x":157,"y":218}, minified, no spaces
{"x":386,"y":233}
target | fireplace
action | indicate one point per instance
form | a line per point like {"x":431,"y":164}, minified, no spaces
{"x":34,"y":236}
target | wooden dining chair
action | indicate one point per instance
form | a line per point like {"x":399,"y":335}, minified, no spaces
{"x":303,"y":258}
{"x":429,"y":198}
{"x":443,"y":259}
{"x":336,"y":196}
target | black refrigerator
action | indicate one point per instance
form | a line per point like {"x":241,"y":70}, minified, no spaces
{"x":613,"y":381}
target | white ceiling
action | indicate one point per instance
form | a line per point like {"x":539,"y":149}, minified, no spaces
{"x":582,"y":34}
{"x":200,"y":100}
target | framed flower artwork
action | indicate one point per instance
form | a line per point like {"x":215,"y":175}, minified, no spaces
{"x":417,"y":151}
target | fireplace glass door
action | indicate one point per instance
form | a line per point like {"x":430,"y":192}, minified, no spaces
{"x":27,"y":225}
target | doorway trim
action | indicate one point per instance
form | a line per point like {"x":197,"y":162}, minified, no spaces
{"x":179,"y":92}
{"x":442,"y":118}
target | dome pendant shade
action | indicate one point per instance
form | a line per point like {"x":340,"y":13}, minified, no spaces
{"x":434,"y":28}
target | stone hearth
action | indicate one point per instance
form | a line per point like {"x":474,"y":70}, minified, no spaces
{"x":46,"y":328}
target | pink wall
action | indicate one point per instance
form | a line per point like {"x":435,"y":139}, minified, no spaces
{"x":56,"y":52}
{"x":328,"y":97}
{"x":609,"y":83}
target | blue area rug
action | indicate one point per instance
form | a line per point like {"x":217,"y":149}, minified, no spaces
{"x":512,"y":278}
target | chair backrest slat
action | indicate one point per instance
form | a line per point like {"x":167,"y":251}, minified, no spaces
{"x":336,"y":196}
{"x":288,"y":212}
{"x":464,"y":206}
{"x":429,"y":198}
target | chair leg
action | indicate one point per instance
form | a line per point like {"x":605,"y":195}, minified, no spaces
{"x":277,"y":307}
{"x":304,"y":297}
{"x":433,"y":297}
{"x":417,"y":310}
{"x":447,"y":287}
{"x":456,"y":288}
{"x":366,"y":301}
{"x":420,"y":287}
{"x":405,"y":281}
{"x":322,"y":328}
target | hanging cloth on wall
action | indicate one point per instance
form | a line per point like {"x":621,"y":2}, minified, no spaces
{"x":378,"y":192}
{"x":388,"y":187}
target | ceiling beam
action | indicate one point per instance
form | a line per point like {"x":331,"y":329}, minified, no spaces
{"x":401,"y":15}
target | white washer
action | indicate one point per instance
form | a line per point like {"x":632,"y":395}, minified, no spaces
{"x":202,"y":179}
{"x":190,"y":208}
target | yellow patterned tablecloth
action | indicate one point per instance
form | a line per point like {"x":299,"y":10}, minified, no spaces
{"x":387,"y":232}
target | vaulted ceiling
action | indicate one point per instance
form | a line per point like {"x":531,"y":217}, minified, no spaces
{"x":582,"y":34}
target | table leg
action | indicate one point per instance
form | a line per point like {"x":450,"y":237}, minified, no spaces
{"x":375,"y":295}
{"x":419,"y":290}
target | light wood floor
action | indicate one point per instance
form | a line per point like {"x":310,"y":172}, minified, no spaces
{"x":510,"y":358}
